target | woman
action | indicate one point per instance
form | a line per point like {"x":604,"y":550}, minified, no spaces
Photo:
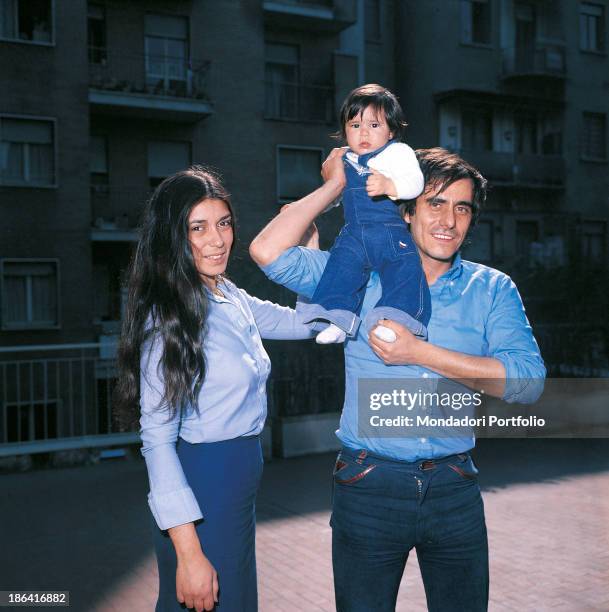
{"x":191,"y":356}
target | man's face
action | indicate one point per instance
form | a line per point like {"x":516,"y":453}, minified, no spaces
{"x":441,"y":220}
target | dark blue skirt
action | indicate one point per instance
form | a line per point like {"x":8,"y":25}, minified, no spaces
{"x":224,"y":477}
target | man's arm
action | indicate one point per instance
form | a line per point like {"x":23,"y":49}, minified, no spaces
{"x":287,"y":229}
{"x":512,"y":369}
{"x":474,"y":372}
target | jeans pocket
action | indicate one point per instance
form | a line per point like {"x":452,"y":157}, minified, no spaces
{"x":465,"y":468}
{"x":347,"y":472}
{"x":400,"y":241}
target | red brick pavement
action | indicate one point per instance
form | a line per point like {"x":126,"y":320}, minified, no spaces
{"x":549,"y":547}
{"x":86,"y":529}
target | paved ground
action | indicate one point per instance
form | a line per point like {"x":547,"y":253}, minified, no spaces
{"x":86,"y":530}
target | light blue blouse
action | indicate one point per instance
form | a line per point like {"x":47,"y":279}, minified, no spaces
{"x":232,"y":401}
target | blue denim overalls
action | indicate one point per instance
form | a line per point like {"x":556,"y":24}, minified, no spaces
{"x":374,"y":237}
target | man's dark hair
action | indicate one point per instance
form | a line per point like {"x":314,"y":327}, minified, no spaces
{"x":440,"y":169}
{"x":380,"y":99}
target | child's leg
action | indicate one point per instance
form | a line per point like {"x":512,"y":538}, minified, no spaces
{"x":340,"y":290}
{"x":405,"y":297}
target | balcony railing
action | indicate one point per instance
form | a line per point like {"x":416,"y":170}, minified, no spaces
{"x":540,"y":60}
{"x":297,"y":102}
{"x":514,"y":169}
{"x":153,"y":75}
{"x":57,"y":397}
{"x":116,"y":209}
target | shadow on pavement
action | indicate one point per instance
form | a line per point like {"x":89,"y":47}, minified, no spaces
{"x":85,"y":529}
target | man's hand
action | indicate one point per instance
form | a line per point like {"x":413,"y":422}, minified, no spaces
{"x":479,"y":373}
{"x":197,"y":583}
{"x":333,"y":169}
{"x":378,"y":184}
{"x":406,"y":349}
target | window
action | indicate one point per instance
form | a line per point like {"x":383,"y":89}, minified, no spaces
{"x":551,"y":134}
{"x":525,"y":128}
{"x":594,"y":136}
{"x":27,"y":152}
{"x":476,"y":22}
{"x":594,"y":239}
{"x":527,"y":233}
{"x":281,"y":73}
{"x":96,"y":25}
{"x":525,"y":33}
{"x":28,"y":20}
{"x":30,"y":293}
{"x":297,"y":172}
{"x":373,"y":21}
{"x":167,"y":60}
{"x":591,"y":27}
{"x":477,"y":130}
{"x":165,"y":158}
{"x":98,"y":164}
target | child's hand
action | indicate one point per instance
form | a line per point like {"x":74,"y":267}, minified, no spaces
{"x":378,"y":184}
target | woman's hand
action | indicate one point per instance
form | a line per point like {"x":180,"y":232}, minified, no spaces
{"x":196,"y":578}
{"x":332,"y":169}
{"x":197,"y":583}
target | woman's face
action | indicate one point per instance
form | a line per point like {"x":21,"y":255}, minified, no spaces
{"x":210,"y":232}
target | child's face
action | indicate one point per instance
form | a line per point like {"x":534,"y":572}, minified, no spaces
{"x":368,"y":132}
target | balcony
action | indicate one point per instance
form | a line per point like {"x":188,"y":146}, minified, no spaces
{"x":147,"y":86}
{"x":519,"y":170}
{"x":297,"y":102}
{"x":541,"y":60}
{"x":57,"y":397}
{"x":324,"y":16}
{"x":116,"y":213}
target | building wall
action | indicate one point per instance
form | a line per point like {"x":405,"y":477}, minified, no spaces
{"x":419,"y":53}
{"x":50,"y":81}
{"x":435,"y":65}
{"x":236,"y":139}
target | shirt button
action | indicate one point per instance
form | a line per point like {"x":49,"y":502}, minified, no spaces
{"x":422,"y":440}
{"x":425,"y":375}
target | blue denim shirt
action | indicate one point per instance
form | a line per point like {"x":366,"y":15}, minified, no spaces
{"x":475,"y":310}
{"x":232,"y":402}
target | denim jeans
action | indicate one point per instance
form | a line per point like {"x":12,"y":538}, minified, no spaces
{"x":384,"y":508}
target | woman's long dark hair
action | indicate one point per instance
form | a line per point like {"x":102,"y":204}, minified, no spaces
{"x":166,"y":298}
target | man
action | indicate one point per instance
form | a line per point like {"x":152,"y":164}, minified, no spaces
{"x":394,"y":494}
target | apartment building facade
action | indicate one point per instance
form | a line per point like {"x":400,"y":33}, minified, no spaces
{"x":519,"y":88}
{"x":101,"y":100}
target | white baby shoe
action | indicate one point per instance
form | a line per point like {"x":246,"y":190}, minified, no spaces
{"x":331,"y":335}
{"x":384,"y":333}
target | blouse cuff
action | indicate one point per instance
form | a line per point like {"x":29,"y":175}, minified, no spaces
{"x":174,"y":508}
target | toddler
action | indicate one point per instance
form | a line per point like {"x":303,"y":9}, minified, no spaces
{"x":379,"y":170}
